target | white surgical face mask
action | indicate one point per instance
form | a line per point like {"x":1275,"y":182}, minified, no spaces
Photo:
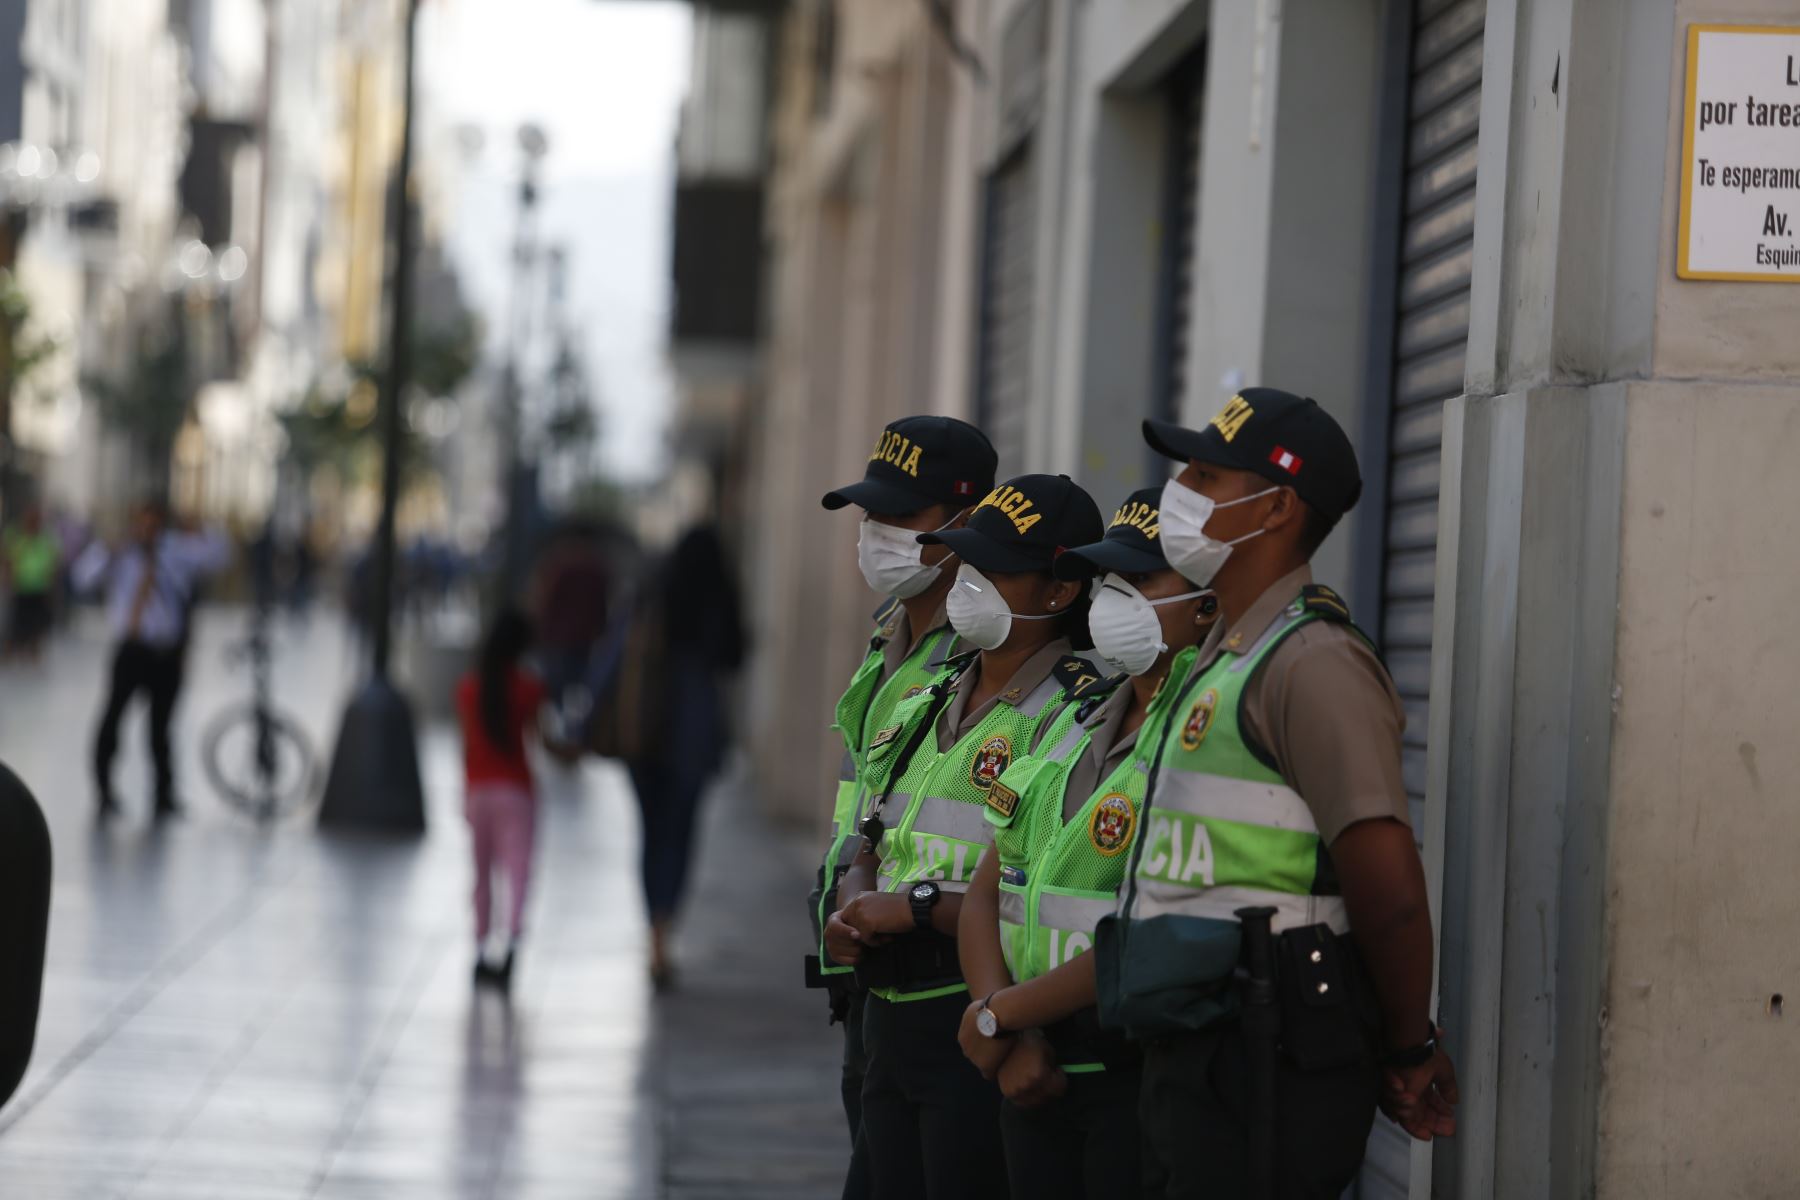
{"x":978,"y":612}
{"x":1183,"y":518}
{"x":892,"y":560}
{"x":1127,"y":632}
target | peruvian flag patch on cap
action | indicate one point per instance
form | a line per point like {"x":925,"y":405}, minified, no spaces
{"x":963,"y":487}
{"x":1287,"y":460}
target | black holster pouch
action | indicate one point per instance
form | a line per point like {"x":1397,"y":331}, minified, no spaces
{"x":913,"y":962}
{"x":1329,"y":1015}
{"x":1079,"y":1038}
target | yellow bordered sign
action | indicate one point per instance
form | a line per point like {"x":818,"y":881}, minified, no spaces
{"x":1736,"y":194}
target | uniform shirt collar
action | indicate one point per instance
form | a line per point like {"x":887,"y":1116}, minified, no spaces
{"x":1032,"y":672}
{"x":1246,"y":629}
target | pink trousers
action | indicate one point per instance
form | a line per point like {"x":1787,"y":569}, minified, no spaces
{"x":502,"y":821}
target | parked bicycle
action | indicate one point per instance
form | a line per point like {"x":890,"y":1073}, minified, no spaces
{"x":257,"y":757}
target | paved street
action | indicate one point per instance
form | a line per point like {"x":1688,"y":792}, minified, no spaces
{"x":250,"y":1014}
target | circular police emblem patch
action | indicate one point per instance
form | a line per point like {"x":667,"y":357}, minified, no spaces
{"x":990,"y":762}
{"x":1110,"y":828}
{"x":1200,"y":719}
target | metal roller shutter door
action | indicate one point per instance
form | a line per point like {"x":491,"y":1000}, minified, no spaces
{"x":1431,"y":337}
{"x":1181,"y":204}
{"x":1006,"y":309}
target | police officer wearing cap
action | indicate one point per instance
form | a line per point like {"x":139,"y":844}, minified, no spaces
{"x":1064,"y":820}
{"x":1277,"y":786}
{"x":924,"y":475}
{"x":928,"y":1116}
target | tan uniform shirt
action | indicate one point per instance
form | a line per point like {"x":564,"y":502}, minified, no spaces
{"x":901,"y":642}
{"x":1324,"y":708}
{"x":956,"y":720}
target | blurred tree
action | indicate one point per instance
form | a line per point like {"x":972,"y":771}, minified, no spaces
{"x":22,"y":353}
{"x":150,"y":402}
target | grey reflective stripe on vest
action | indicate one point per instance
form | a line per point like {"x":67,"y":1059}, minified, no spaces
{"x":1222,"y":903}
{"x":847,"y":768}
{"x":848,"y":850}
{"x":1076,"y":914}
{"x":1218,"y":797}
{"x":1070,"y":739}
{"x":1012,"y":907}
{"x":941,"y":817}
{"x":1041,"y":696}
{"x":940,"y":652}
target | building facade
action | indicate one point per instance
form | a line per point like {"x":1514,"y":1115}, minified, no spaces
{"x":1454,"y":223}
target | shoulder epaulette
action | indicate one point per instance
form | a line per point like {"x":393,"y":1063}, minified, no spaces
{"x":956,"y":664}
{"x":1322,"y":602}
{"x":886,"y":620}
{"x":1077,"y":675}
{"x":1097,"y":695}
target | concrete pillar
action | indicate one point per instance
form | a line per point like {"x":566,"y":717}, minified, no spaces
{"x":1614,"y":567}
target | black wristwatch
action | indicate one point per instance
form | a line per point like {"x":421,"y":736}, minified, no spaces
{"x":1414,"y":1056}
{"x":923,"y":896}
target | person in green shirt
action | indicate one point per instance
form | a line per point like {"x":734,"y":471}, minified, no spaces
{"x":925,"y":474}
{"x":32,"y":555}
{"x":930,"y":1119}
{"x":1064,"y":821}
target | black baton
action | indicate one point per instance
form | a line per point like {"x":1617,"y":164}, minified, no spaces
{"x":1262,"y":1035}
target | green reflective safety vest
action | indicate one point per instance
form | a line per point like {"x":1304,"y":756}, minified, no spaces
{"x":866,"y":704}
{"x":1224,"y":831}
{"x":1057,"y":877}
{"x":933,"y":814}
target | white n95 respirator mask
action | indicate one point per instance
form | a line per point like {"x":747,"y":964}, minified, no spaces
{"x":978,"y":612}
{"x":1127,"y":632}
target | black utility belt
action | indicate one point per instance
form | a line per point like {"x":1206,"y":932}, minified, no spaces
{"x":1079,"y":1038}
{"x":913,"y":962}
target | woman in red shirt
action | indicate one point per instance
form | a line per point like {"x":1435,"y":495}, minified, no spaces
{"x":497,"y":705}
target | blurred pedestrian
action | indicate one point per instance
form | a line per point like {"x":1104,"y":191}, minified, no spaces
{"x":569,"y":597}
{"x":32,"y":555}
{"x":497,"y":706}
{"x":150,"y":584}
{"x":686,"y":637}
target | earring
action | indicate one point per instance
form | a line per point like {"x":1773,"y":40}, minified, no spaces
{"x":1053,"y":604}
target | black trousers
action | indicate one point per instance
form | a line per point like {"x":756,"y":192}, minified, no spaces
{"x":1082,"y":1146}
{"x":1193,"y":1105}
{"x":156,"y":670}
{"x":932,"y":1122}
{"x":856,"y":1181}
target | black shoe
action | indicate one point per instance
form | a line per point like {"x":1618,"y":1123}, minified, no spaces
{"x":107,"y":809}
{"x":503,"y":972}
{"x":168,"y":810}
{"x":484,"y":974}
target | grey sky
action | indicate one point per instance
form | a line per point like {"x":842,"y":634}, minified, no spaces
{"x":604,"y":78}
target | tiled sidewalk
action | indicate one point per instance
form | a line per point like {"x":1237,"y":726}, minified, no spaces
{"x":242,"y":1014}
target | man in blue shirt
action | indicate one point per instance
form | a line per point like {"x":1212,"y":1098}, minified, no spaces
{"x":149,"y":584}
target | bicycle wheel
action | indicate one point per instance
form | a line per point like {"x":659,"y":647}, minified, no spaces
{"x":262,"y":765}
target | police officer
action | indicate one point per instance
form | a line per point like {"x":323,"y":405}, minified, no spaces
{"x":1277,"y":783}
{"x":929,"y":1118}
{"x":924,"y":474}
{"x":1064,"y":820}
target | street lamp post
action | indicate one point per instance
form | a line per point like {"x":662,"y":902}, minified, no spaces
{"x":374,"y":782}
{"x":520,"y":489}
